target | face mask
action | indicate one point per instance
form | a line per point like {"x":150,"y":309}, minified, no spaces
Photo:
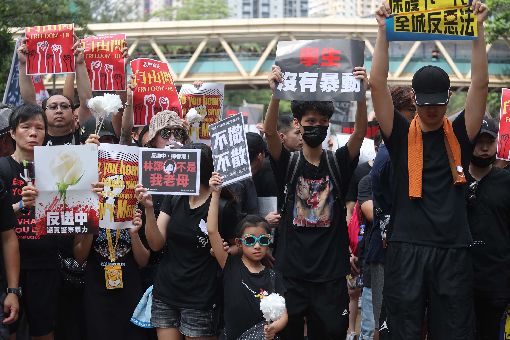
{"x":315,"y":135}
{"x":483,"y":162}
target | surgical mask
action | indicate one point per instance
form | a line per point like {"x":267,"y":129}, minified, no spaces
{"x":483,"y":162}
{"x":315,"y":135}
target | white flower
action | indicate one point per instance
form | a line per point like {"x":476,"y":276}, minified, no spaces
{"x":272,"y":307}
{"x":112,"y":103}
{"x":67,"y":170}
{"x":104,"y":105}
{"x":193,"y":117}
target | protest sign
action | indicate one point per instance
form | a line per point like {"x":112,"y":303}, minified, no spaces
{"x":50,"y":49}
{"x":230,"y":149}
{"x":40,"y":90}
{"x":208,"y":102}
{"x":504,"y":126}
{"x":320,"y":70}
{"x":154,"y":90}
{"x":415,"y":20}
{"x":66,"y":204}
{"x":12,"y":94}
{"x":104,"y":61}
{"x":172,"y":172}
{"x":118,"y":166}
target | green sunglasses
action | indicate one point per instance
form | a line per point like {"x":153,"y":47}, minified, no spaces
{"x":250,"y":240}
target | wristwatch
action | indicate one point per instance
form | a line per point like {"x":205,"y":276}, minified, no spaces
{"x":16,"y":291}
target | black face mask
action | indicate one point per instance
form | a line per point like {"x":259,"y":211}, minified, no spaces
{"x":315,"y":135}
{"x":483,"y":162}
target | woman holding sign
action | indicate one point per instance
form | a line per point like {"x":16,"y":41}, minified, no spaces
{"x":185,"y":295}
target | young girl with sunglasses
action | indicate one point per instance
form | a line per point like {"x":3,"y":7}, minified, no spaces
{"x":245,"y":279}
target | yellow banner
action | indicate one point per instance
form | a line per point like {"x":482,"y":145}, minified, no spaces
{"x":457,"y":21}
{"x":407,"y":6}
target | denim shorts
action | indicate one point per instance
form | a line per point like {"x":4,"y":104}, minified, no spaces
{"x":190,"y":322}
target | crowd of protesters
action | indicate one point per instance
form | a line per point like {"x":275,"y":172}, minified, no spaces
{"x":430,"y":258}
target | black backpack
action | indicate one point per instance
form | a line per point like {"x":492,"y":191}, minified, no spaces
{"x":296,"y":162}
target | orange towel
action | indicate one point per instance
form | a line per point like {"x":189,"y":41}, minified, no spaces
{"x":415,"y":156}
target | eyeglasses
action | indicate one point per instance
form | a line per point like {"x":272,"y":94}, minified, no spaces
{"x":166,"y":133}
{"x":471,"y":194}
{"x":63,"y":106}
{"x":250,"y":240}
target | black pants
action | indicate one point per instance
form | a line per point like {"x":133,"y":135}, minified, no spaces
{"x":325,"y":306}
{"x":439,"y":279}
{"x":489,"y":311}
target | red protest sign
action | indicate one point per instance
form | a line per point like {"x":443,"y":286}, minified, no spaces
{"x":104,"y":61}
{"x":154,"y":90}
{"x":504,"y":126}
{"x":50,"y":49}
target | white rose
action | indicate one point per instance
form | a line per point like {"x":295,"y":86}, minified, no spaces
{"x":67,"y":169}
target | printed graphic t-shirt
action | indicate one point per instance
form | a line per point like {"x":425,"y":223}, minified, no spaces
{"x":36,"y":251}
{"x":313,"y":240}
{"x":188,"y":275}
{"x":243,"y":291}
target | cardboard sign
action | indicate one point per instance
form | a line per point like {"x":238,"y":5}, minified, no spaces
{"x":104,"y":61}
{"x":415,"y":20}
{"x":12,"y":94}
{"x":154,"y":90}
{"x":504,"y":126}
{"x":66,"y":203}
{"x":173,"y":172}
{"x":320,"y":70}
{"x":118,"y":166}
{"x":50,"y":49}
{"x":230,"y":149}
{"x":208,"y":101}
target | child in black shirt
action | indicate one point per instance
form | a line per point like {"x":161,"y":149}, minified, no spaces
{"x":245,"y":279}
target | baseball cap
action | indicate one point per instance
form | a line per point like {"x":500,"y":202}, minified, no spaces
{"x":89,"y":127}
{"x":165,"y":119}
{"x":431,"y":86}
{"x":489,"y":127}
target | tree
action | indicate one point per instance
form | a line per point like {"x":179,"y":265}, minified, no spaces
{"x":195,"y":10}
{"x":115,"y":10}
{"x":498,"y":24}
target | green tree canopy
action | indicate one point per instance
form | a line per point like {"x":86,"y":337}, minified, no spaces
{"x":195,"y":10}
{"x":498,"y":24}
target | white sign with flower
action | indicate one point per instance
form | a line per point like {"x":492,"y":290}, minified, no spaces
{"x":66,"y":203}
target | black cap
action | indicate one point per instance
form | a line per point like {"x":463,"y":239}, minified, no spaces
{"x":90,"y":127}
{"x":431,"y":86}
{"x":489,"y":127}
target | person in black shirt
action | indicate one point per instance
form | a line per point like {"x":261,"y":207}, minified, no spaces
{"x":488,"y":201}
{"x":245,"y":279}
{"x":185,"y":295}
{"x":312,"y":252}
{"x":9,"y":273}
{"x":428,"y":263}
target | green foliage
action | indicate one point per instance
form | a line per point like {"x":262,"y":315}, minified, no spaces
{"x":114,"y":10}
{"x":195,"y":10}
{"x":262,"y":96}
{"x":458,"y":100}
{"x":498,"y":24}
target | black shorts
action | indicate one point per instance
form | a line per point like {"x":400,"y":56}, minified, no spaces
{"x":437,"y":279}
{"x":40,"y":299}
{"x":325,"y":306}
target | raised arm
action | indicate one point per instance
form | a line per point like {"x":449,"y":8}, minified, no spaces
{"x":477,"y":94}
{"x":127,"y":116}
{"x":212,"y":221}
{"x":360,"y":123}
{"x":68,"y":90}
{"x":155,"y":231}
{"x":82,"y":83}
{"x":274,"y":144}
{"x":26,"y":87}
{"x":381,"y":97}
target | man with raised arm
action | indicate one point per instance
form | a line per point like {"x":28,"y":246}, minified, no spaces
{"x":312,"y":252}
{"x":428,"y":265}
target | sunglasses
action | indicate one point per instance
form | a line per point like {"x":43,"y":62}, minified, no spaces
{"x":471,"y":194}
{"x":178,"y":134}
{"x":250,"y":240}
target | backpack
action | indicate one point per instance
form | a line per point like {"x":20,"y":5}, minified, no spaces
{"x":296,"y":161}
{"x":353,"y":228}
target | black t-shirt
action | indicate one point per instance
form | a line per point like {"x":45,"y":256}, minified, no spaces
{"x":489,"y":220}
{"x":265,"y":182}
{"x":361,"y":171}
{"x":37,"y":251}
{"x":246,"y":196}
{"x":69,"y":139}
{"x":7,"y":222}
{"x":439,"y":218}
{"x":313,"y":240}
{"x":188,"y":274}
{"x":364,"y":195}
{"x":243,"y":291}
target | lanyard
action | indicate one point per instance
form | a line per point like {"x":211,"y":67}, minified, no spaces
{"x":112,"y":250}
